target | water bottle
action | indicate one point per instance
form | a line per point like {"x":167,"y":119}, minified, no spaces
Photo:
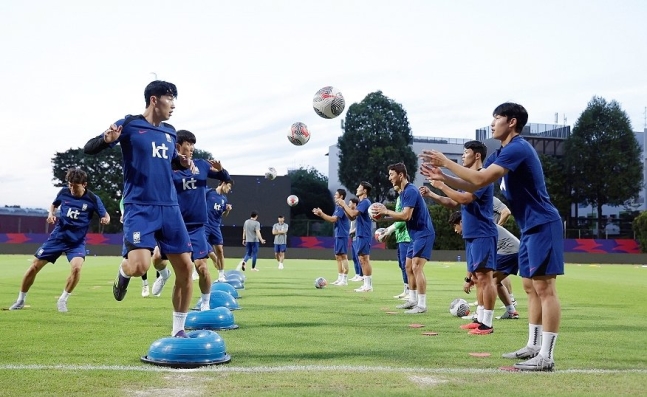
{"x":458,"y":258}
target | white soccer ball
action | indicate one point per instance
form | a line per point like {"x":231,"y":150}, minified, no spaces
{"x":459,"y":308}
{"x":328,"y":102}
{"x":372,"y":211}
{"x":320,"y":282}
{"x":270,"y":173}
{"x":378,"y":234}
{"x":292,"y":200}
{"x":299,"y":134}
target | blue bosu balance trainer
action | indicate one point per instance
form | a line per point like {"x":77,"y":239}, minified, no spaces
{"x":201,"y":348}
{"x":225,"y":287}
{"x":218,"y":319}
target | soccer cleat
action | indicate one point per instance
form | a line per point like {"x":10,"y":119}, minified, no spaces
{"x":62,"y":306}
{"x":280,"y":266}
{"x":364,"y":289}
{"x":508,"y":315}
{"x":416,"y":310}
{"x":222,"y":279}
{"x":254,"y":269}
{"x":537,"y":363}
{"x":17,"y":305}
{"x":482,"y":330}
{"x":159,"y":284}
{"x":145,"y":291}
{"x":181,"y":334}
{"x":514,"y":302}
{"x":119,"y":288}
{"x":341,"y":283}
{"x":195,"y":275}
{"x":402,"y":295}
{"x":336,"y":282}
{"x":204,"y":306}
{"x":472,"y":325}
{"x":197,"y":305}
{"x":407,"y":305}
{"x":357,"y":278}
{"x":524,"y":352}
{"x":241,"y":266}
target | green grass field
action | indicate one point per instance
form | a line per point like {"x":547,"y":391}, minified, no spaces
{"x":296,"y":340}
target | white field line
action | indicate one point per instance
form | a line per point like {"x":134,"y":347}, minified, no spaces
{"x":297,"y":368}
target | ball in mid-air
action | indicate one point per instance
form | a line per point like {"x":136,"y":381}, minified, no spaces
{"x":270,"y":173}
{"x":292,"y":200}
{"x":328,"y":102}
{"x":299,"y":134}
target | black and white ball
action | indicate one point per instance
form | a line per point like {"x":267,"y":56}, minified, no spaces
{"x":328,"y":102}
{"x":459,"y":308}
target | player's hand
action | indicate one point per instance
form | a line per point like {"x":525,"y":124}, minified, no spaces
{"x":112,"y":133}
{"x":121,"y":218}
{"x":434,"y":157}
{"x":381,"y":236}
{"x":424,"y":191}
{"x":215,"y":165}
{"x":432,"y":173}
{"x":51,"y":219}
{"x":262,"y":241}
{"x":105,"y":219}
{"x":340,"y":201}
{"x":228,"y":207}
{"x":437,"y":184}
{"x":467,"y":287}
{"x":317,"y":211}
{"x":188,"y":163}
{"x":380,"y":209}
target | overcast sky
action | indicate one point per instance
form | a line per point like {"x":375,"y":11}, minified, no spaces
{"x":246,"y":70}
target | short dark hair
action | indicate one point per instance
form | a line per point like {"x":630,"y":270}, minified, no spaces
{"x":477,"y":147}
{"x":342,"y":193}
{"x":76,"y":175}
{"x":513,"y":111}
{"x":254,"y":214}
{"x":367,"y":186}
{"x":231,"y":181}
{"x":354,"y":200}
{"x":185,"y":136}
{"x":399,"y":168}
{"x":281,"y":216}
{"x":159,"y":88}
{"x":455,"y":218}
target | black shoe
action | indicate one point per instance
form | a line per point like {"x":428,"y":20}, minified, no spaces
{"x":119,"y":288}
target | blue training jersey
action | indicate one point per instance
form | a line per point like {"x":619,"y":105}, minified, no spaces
{"x":216,"y":207}
{"x":342,"y":226}
{"x":524,"y":186}
{"x":477,"y":215}
{"x":191,"y":191}
{"x":76,"y":213}
{"x":147,"y":152}
{"x":363,"y":225}
{"x":420,"y":224}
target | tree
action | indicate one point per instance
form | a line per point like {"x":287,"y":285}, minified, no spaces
{"x":557,"y":183}
{"x":202,"y":154}
{"x":376,"y":134}
{"x":311,"y":187}
{"x":603,"y":157}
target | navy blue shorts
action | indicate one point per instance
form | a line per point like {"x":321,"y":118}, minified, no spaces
{"x":421,"y":247}
{"x":214,"y":236}
{"x":508,"y":264}
{"x":362,"y":246}
{"x":481,"y":253}
{"x":55,"y":247}
{"x":341,"y":245}
{"x":199,"y":243}
{"x":148,"y":225}
{"x":541,"y":250}
{"x":279,"y":248}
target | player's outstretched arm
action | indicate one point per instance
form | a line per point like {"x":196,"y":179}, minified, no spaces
{"x":103,"y":141}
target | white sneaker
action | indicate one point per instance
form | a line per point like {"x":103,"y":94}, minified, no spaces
{"x":336,"y":282}
{"x":364,"y":289}
{"x":145,"y":291}
{"x":158,"y":285}
{"x":357,"y":278}
{"x":62,"y":306}
{"x":280,"y":266}
{"x":524,"y":352}
{"x":537,"y":363}
{"x":204,"y":306}
{"x":222,"y":279}
{"x":416,"y":310}
{"x":341,"y":283}
{"x":407,"y":305}
{"x":17,"y":305}
{"x":402,"y":295}
{"x":195,"y":275}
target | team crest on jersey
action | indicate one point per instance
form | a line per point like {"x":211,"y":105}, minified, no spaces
{"x":168,"y":138}
{"x":137,"y":238}
{"x":84,"y":207}
{"x":40,"y":252}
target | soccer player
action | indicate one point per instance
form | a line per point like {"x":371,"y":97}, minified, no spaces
{"x":479,"y":233}
{"x":192,"y":196}
{"x":363,"y":235}
{"x":280,"y":232}
{"x":251,"y":239}
{"x":403,"y":240}
{"x":152,"y":214}
{"x":341,"y":227}
{"x":217,"y":208}
{"x":421,"y":231}
{"x":359,"y":276}
{"x":507,"y":263}
{"x":77,"y":204}
{"x":541,"y":249}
